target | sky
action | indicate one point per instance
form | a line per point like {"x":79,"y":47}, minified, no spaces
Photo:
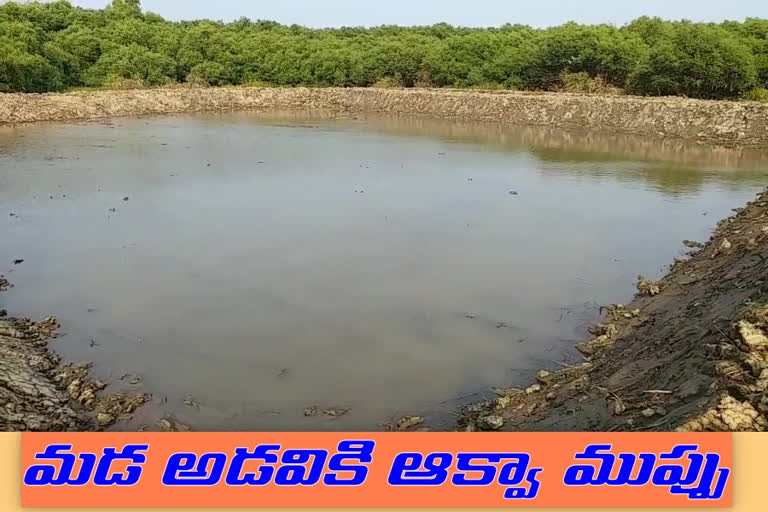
{"x":539,"y":13}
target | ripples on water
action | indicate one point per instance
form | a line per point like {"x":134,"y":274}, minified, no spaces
{"x":267,"y":263}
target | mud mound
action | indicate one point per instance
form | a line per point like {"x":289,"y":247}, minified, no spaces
{"x":690,"y":353}
{"x":37,"y":393}
{"x":724,"y":123}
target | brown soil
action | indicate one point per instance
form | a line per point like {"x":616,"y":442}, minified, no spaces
{"x":722,"y":123}
{"x":690,"y":353}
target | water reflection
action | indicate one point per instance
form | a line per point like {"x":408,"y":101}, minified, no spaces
{"x":567,"y":145}
{"x":266,"y":263}
{"x":675,"y":166}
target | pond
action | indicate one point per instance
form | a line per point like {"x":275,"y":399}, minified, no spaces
{"x":243,"y":267}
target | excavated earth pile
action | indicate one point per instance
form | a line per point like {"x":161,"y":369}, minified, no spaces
{"x":723,"y":123}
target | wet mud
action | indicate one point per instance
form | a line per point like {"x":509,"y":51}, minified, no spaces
{"x":689,"y":353}
{"x":39,"y":393}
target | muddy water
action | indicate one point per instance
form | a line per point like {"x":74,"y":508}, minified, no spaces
{"x":264,"y":264}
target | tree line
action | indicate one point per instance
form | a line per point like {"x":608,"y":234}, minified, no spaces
{"x":55,"y":46}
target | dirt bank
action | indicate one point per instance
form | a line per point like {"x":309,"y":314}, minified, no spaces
{"x":741,"y":124}
{"x":689,"y":353}
{"x":38,"y":393}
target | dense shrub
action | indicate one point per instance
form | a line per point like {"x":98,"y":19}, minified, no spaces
{"x":134,"y":62}
{"x":583,"y":83}
{"x":698,"y":61}
{"x":53,"y":46}
{"x":21,"y":71}
{"x":208,"y":72}
{"x":758,"y":94}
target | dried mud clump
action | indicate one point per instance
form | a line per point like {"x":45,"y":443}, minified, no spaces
{"x":604,"y":337}
{"x":729,"y":415}
{"x":170,"y":424}
{"x":647,"y":287}
{"x":37,"y":393}
{"x":404,"y":423}
{"x":512,"y":407}
{"x":690,"y":353}
{"x":743,"y":372}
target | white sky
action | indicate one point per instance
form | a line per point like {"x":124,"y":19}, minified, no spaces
{"x":324,"y":13}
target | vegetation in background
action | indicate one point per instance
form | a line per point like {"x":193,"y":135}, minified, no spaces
{"x":54,"y":46}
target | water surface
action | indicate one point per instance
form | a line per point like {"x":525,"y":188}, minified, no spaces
{"x":262,"y":264}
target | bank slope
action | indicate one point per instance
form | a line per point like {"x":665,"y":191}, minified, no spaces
{"x":690,"y":353}
{"x":726,"y":123}
{"x":39,"y":393}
